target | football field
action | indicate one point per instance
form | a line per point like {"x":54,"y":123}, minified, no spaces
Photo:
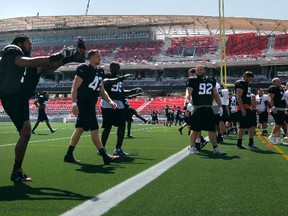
{"x":242,"y":182}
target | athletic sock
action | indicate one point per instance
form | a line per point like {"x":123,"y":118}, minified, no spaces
{"x":102,"y":152}
{"x":70,"y":150}
{"x":17,"y":165}
{"x":215,"y":146}
{"x":239,"y":142}
{"x":251,"y":142}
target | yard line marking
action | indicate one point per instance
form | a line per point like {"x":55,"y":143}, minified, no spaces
{"x":103,"y":202}
{"x":276,"y":147}
{"x":62,"y":138}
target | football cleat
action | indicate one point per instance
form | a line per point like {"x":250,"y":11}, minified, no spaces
{"x":109,"y":158}
{"x":71,"y":159}
{"x":120,"y":152}
{"x":19,"y":176}
{"x":193,"y":150}
{"x":240,"y":147}
{"x":180,"y":130}
{"x":217,"y":150}
{"x":272,"y":139}
{"x":253,"y":147}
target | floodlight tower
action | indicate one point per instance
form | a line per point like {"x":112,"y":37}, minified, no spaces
{"x":87,"y":8}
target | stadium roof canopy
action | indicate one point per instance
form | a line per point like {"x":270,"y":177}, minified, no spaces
{"x":208,"y":23}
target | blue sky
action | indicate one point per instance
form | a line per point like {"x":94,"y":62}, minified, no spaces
{"x":276,"y":9}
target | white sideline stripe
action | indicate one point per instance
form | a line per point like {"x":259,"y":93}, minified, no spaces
{"x":62,"y":138}
{"x":103,"y":202}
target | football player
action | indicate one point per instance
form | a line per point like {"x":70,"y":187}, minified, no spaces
{"x":244,"y":110}
{"x":19,"y":76}
{"x":200,"y":92}
{"x":276,"y":98}
{"x":87,"y":84}
{"x":40,"y":103}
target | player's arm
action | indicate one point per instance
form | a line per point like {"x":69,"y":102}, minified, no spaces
{"x":74,"y":92}
{"x":271,"y":102}
{"x":50,"y":68}
{"x":216,"y":97}
{"x":29,"y":62}
{"x":239,"y":93}
{"x":188,"y":95}
{"x":36,"y":103}
{"x":106,"y":97}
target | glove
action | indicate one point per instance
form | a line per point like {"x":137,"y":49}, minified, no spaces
{"x":190,"y":107}
{"x":64,"y":53}
{"x":71,"y":54}
{"x":136,"y":90}
{"x":220,"y":111}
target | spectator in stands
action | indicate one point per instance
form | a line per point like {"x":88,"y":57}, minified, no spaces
{"x":41,"y":103}
{"x":19,"y":76}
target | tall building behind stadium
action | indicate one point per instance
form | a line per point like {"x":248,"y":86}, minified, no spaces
{"x":159,"y":50}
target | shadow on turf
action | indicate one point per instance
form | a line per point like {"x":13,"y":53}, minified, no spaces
{"x":209,"y":154}
{"x":23,"y":191}
{"x":92,"y":168}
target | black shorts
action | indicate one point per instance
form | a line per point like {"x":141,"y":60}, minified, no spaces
{"x":42,"y":116}
{"x":279,"y":117}
{"x":246,"y":121}
{"x":87,"y":122}
{"x":17,"y":108}
{"x":286,"y":117}
{"x":129,"y":112}
{"x":216,"y":118}
{"x":232,"y":117}
{"x":263,"y":117}
{"x":224,"y":117}
{"x":203,"y":119}
{"x":112,"y":117}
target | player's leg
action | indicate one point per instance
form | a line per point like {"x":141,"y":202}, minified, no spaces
{"x":73,"y":142}
{"x":121,"y":124}
{"x":241,"y":121}
{"x":97,"y":142}
{"x":35,"y":126}
{"x":17,"y":108}
{"x":105,"y":134}
{"x":129,"y":124}
{"x":49,"y":126}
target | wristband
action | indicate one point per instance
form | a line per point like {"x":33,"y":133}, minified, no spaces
{"x":74,"y":104}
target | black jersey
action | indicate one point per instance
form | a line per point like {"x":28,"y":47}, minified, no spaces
{"x":88,"y":92}
{"x":202,"y":93}
{"x":11,"y":75}
{"x":13,"y":78}
{"x":279,"y":100}
{"x":246,"y":96}
{"x":42,"y":102}
{"x":115,"y":89}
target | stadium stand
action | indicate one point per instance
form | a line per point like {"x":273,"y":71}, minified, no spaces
{"x":246,"y":45}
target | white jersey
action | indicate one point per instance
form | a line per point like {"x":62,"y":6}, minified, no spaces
{"x":285,"y":96}
{"x":218,"y":88}
{"x":233,"y":104}
{"x":261,"y":102}
{"x":224,"y":95}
